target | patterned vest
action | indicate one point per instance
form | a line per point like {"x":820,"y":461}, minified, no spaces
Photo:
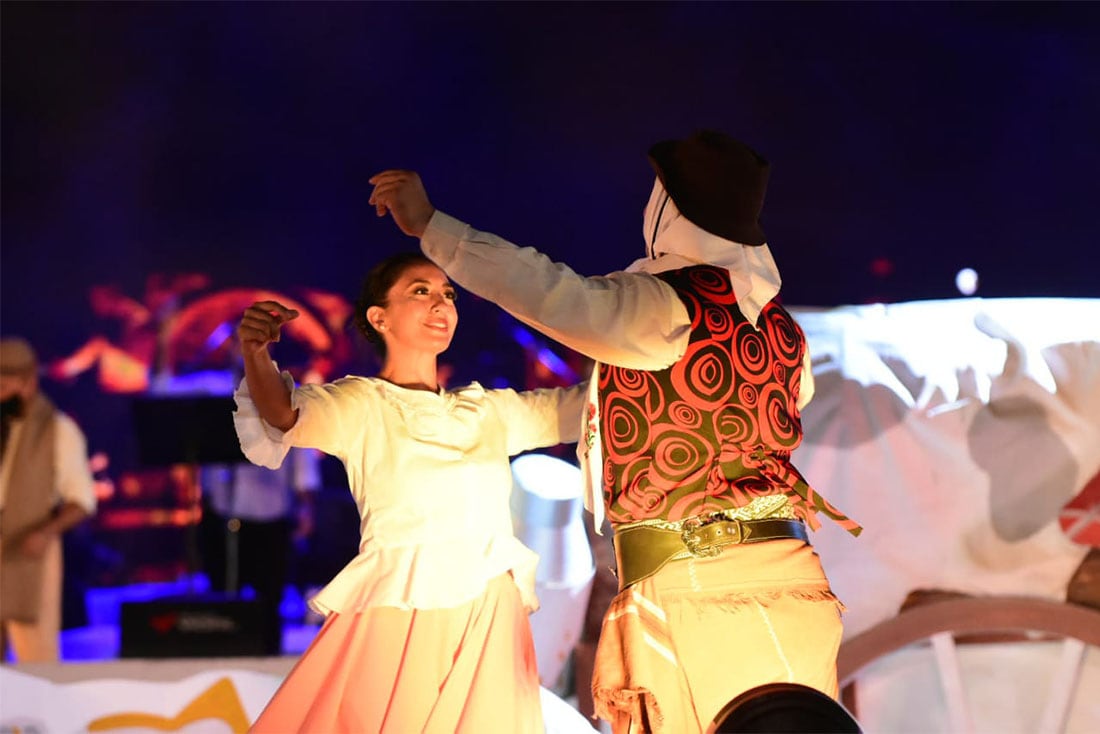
{"x":716,"y":429}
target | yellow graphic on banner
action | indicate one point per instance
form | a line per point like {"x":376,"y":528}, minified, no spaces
{"x":219,"y":701}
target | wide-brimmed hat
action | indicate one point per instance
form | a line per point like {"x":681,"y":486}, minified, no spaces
{"x":717,"y":182}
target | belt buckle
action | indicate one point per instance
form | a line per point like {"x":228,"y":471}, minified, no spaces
{"x":689,"y":533}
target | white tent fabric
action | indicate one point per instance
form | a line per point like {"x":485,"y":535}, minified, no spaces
{"x":954,"y":431}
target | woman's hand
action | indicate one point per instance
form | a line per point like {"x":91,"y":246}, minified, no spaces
{"x":262,"y":324}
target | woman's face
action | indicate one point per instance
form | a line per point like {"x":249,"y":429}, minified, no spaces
{"x":420,"y":314}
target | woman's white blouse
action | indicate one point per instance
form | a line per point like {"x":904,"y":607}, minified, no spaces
{"x":431,"y":477}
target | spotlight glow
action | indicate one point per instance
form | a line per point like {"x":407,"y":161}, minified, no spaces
{"x":966,"y":280}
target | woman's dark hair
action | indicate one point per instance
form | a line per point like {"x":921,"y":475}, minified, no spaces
{"x":376,"y":286}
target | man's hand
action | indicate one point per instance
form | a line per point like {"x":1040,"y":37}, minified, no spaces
{"x":262,"y":324}
{"x":402,"y":194}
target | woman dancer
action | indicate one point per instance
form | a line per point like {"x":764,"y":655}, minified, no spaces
{"x":426,"y":628}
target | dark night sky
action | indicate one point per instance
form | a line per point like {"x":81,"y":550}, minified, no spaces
{"x":236,"y":138}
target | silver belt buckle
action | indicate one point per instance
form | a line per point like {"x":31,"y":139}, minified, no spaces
{"x":692,"y":533}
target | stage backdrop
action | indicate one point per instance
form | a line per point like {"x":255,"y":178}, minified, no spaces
{"x":956,"y":432}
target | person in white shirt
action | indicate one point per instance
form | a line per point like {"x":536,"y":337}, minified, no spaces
{"x":426,"y":628}
{"x":46,"y":488}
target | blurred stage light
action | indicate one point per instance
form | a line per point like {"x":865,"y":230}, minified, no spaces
{"x":966,"y":280}
{"x":882,"y":267}
{"x":543,"y":354}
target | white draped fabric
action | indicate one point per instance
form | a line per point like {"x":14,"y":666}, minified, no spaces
{"x":954,"y":431}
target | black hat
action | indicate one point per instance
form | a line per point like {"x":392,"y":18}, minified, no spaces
{"x":717,"y":182}
{"x":784,"y":707}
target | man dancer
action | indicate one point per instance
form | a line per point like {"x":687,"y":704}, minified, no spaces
{"x":694,"y":412}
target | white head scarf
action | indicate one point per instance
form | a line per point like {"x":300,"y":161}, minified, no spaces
{"x":673,"y":241}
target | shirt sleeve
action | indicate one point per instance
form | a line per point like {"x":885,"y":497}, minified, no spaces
{"x":625,"y":319}
{"x":74,"y":477}
{"x":540,"y":418}
{"x":329,"y":418}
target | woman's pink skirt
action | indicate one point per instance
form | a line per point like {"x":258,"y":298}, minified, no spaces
{"x":469,"y":668}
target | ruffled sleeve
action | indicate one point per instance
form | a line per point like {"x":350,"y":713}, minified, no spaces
{"x":262,"y":443}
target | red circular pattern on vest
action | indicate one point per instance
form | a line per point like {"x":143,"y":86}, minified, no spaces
{"x":715,"y":429}
{"x":752,"y":355}
{"x":679,"y":457}
{"x":625,"y":428}
{"x":748,"y":395}
{"x":630,"y":382}
{"x":640,"y":497}
{"x":786,"y":340}
{"x":712,"y":284}
{"x":734,"y":425}
{"x":719,"y":322}
{"x":778,"y":429}
{"x":779,"y":373}
{"x":685,"y":415}
{"x":703,"y":376}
